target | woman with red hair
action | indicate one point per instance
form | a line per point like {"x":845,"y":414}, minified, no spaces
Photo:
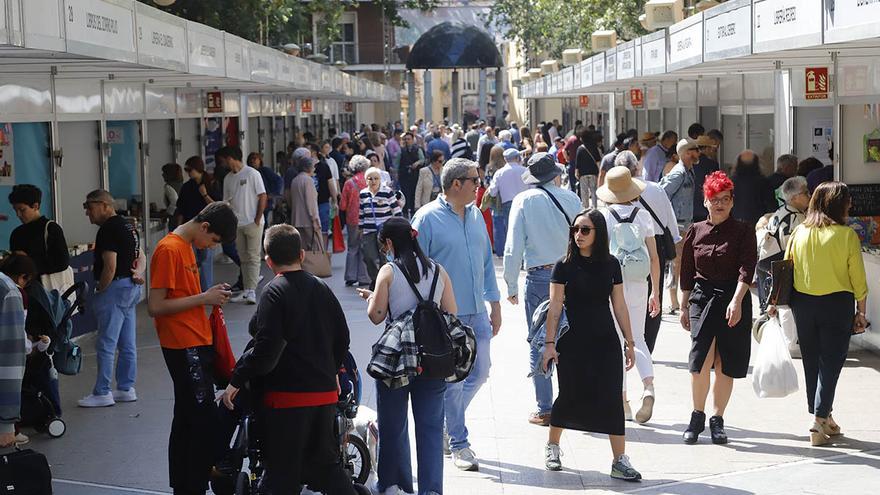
{"x":717,"y":266}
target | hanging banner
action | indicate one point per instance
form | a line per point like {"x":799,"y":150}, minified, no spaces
{"x":584,"y":101}
{"x":636,"y":98}
{"x":306,"y":106}
{"x":7,"y":166}
{"x":816,"y":83}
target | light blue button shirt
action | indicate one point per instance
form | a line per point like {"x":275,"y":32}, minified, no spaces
{"x":537,"y":230}
{"x":461,"y":245}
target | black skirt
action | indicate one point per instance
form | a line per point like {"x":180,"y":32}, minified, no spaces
{"x":708,"y":308}
{"x":590,"y":374}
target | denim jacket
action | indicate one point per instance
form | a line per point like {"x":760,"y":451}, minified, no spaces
{"x":679,"y":186}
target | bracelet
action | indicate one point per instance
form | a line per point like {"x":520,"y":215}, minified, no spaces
{"x":549,"y":343}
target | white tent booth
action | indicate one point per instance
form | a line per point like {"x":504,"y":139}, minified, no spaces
{"x":103,"y":93}
{"x":775,"y":76}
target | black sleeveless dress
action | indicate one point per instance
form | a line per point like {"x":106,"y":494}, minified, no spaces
{"x":590,"y":354}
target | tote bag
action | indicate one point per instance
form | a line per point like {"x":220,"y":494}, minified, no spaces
{"x":317,"y":259}
{"x":60,"y":281}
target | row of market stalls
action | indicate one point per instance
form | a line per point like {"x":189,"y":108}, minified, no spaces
{"x":775,"y":76}
{"x":103,"y":93}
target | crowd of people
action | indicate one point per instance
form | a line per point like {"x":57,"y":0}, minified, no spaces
{"x":602,"y":235}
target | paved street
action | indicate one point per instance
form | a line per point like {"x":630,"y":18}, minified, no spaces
{"x":122,"y":449}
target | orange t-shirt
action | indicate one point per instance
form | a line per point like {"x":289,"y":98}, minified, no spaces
{"x":174,"y":267}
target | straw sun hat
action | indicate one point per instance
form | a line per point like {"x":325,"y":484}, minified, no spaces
{"x":620,"y":187}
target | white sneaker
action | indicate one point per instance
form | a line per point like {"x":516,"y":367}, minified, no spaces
{"x":21,"y":438}
{"x":245,"y":296}
{"x":465,"y":459}
{"x":125,"y":395}
{"x":93,"y":400}
{"x":552,"y":453}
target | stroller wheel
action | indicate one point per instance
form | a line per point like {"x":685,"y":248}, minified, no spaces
{"x":361,"y":489}
{"x":243,"y":484}
{"x":357,"y":459}
{"x":56,"y":428}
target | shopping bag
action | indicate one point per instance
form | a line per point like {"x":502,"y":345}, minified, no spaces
{"x":224,"y":360}
{"x":774,"y":374}
{"x":338,"y":241}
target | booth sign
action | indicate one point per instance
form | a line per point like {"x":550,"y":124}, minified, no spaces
{"x":214,"y":101}
{"x":584,"y":101}
{"x":636,"y":98}
{"x":306,"y":105}
{"x":816,"y":83}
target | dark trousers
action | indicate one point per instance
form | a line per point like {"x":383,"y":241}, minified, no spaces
{"x":652,"y":325}
{"x":231,"y":252}
{"x":824,"y":327}
{"x":300,"y":446}
{"x":194,"y":444}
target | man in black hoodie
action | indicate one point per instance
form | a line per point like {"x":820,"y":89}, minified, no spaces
{"x":293,"y":360}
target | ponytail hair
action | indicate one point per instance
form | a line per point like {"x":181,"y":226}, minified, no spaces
{"x":406,"y":246}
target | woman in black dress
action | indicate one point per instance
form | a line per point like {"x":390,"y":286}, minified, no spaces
{"x":717,"y":265}
{"x":589,"y":357}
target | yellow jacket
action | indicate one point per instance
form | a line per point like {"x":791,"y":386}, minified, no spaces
{"x":827,"y":260}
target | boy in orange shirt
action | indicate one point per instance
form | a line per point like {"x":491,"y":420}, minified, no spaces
{"x":177,"y":303}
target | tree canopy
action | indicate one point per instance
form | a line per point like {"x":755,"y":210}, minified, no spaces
{"x":287,"y":20}
{"x":547,"y":27}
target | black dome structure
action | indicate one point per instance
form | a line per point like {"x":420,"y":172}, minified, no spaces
{"x":454,"y":45}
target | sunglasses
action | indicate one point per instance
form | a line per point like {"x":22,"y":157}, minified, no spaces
{"x":476,"y":179}
{"x":574,"y":229}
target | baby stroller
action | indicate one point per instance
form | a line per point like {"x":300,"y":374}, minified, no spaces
{"x":247,"y":441}
{"x":49,"y":313}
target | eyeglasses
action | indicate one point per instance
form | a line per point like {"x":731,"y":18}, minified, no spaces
{"x":584,"y":230}
{"x":726,"y":200}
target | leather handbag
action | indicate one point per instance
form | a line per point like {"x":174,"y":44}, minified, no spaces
{"x":665,"y":241}
{"x":317,"y":259}
{"x":782,"y":274}
{"x":25,"y":472}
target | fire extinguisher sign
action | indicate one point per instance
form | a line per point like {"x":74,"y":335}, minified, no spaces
{"x":816,"y":87}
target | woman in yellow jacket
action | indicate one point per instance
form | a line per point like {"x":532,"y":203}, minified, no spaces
{"x":828,"y":301}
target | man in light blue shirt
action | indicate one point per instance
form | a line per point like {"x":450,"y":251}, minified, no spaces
{"x":452,"y":232}
{"x":655,"y":157}
{"x":506,"y":184}
{"x":538,"y":233}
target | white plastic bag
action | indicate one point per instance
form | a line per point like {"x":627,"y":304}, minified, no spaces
{"x":774,"y":374}
{"x":789,"y":329}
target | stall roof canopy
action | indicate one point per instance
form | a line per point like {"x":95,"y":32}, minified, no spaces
{"x":125,"y":40}
{"x":454,"y":45}
{"x":733,"y":38}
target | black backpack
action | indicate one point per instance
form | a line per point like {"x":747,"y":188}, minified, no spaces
{"x":435,"y":351}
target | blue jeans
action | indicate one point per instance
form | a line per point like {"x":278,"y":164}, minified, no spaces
{"x":459,"y":395}
{"x":395,"y":464}
{"x":205,"y":262}
{"x":114,"y":309}
{"x":537,"y":290}
{"x":499,"y":226}
{"x":324,"y":215}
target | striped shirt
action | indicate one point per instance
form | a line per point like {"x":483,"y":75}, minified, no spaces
{"x":375,"y":209}
{"x":461,"y":149}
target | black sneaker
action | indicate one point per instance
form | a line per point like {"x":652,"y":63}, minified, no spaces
{"x":349,"y":283}
{"x":716,"y":428}
{"x":696,"y":426}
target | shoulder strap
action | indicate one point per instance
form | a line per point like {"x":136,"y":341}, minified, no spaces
{"x":555,"y":202}
{"x":651,"y":211}
{"x":632,"y":216}
{"x":46,"y":237}
{"x":412,"y":285}
{"x":434,"y":282}
{"x":615,"y":215}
